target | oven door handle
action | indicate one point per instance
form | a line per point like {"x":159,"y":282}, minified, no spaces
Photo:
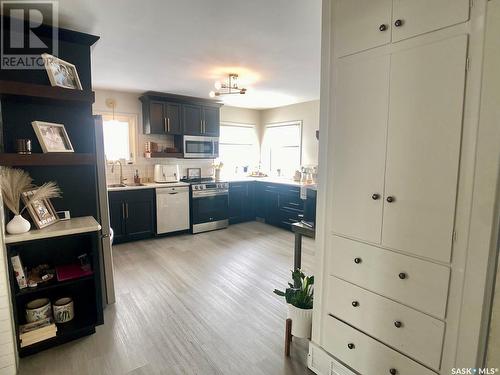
{"x":209,"y":194}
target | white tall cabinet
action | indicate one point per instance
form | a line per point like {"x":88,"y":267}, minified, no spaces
{"x":399,"y":119}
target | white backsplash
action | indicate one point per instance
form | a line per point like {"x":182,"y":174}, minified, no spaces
{"x":145,"y":168}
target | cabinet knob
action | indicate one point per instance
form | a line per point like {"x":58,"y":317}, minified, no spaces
{"x":390,"y":199}
{"x":375,"y":196}
{"x":393,"y":371}
{"x":357,"y":260}
{"x":382,"y":27}
{"x":351,"y":345}
{"x":398,"y":23}
{"x":402,"y":275}
{"x":355,"y":303}
{"x":398,"y":324}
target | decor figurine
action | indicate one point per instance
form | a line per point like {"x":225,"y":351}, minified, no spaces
{"x":13,"y":183}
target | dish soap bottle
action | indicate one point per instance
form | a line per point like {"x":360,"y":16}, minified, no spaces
{"x":137,"y":180}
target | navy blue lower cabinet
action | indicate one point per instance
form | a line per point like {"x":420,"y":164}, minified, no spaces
{"x":241,"y":202}
{"x":132,"y":214}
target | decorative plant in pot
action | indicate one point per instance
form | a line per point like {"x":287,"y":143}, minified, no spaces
{"x":299,"y":297}
{"x":13,"y":182}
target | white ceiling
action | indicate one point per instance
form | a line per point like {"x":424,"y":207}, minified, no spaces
{"x":183,"y":46}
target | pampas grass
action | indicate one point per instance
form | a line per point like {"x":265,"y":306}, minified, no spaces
{"x":13,"y":182}
{"x":46,"y":191}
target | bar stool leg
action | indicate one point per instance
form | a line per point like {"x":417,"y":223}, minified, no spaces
{"x":288,"y":336}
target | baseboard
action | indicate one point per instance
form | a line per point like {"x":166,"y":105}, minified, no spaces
{"x":322,"y":363}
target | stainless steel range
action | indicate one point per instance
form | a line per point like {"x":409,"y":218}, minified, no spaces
{"x":209,"y":206}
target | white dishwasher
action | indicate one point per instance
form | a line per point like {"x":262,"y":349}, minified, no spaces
{"x":172,"y":209}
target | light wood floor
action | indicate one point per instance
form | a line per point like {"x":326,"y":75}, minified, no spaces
{"x":187,"y":304}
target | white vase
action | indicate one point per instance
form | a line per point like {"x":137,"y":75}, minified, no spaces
{"x":18,"y":225}
{"x":301,"y":321}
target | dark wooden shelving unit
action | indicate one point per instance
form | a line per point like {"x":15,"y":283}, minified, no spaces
{"x":13,"y":88}
{"x":49,"y":159}
{"x":52,"y":284}
{"x":27,"y":96}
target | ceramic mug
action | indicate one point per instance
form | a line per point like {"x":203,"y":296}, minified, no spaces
{"x":38,"y":309}
{"x":63,"y":310}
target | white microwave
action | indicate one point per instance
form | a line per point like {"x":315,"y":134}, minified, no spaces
{"x":199,"y":147}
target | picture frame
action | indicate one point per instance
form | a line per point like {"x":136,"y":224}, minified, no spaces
{"x":52,"y":137}
{"x":41,"y":211}
{"x":61,"y":73}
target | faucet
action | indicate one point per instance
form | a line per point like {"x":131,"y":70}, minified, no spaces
{"x":121,"y":171}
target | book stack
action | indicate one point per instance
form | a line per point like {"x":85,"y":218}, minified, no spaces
{"x":41,"y":330}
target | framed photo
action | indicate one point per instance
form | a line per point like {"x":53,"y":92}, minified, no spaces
{"x":41,"y":211}
{"x":52,"y":137}
{"x":61,"y":73}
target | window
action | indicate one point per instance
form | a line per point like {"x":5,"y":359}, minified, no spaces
{"x":119,"y":136}
{"x":238,"y":147}
{"x":281,"y":148}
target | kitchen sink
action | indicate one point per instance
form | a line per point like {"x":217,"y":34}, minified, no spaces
{"x":135,"y":184}
{"x":116,"y":185}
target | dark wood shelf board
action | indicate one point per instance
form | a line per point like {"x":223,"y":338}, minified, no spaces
{"x":52,"y":284}
{"x":167,"y":155}
{"x":47,"y":92}
{"x":49,"y":159}
{"x":65,"y":333}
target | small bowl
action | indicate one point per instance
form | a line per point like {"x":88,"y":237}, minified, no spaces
{"x":38,"y":309}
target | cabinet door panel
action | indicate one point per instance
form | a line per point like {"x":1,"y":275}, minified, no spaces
{"x":357,"y":25}
{"x":116,"y":217}
{"x":359,"y":143}
{"x":423,"y":147}
{"x":422,"y":16}
{"x":173,"y":116}
{"x":192,"y":117}
{"x":156,"y":118}
{"x":211,"y":121}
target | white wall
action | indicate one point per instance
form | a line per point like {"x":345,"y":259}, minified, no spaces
{"x":308,"y":113}
{"x":7,"y":349}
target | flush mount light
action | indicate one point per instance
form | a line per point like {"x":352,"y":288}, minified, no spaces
{"x":228,"y":88}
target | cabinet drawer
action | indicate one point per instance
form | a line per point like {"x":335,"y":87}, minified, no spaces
{"x":414,"y":282}
{"x":364,"y":354}
{"x":413,"y":333}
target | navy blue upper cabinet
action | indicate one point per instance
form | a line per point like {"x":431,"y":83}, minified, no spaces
{"x":178,"y":115}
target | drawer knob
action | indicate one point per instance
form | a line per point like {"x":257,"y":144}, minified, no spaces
{"x":357,"y":260}
{"x":375,"y":196}
{"x":382,"y":27}
{"x":393,"y":371}
{"x":402,"y":275}
{"x":398,"y":324}
{"x":355,"y":303}
{"x":351,"y":345}
{"x":390,"y":199}
{"x":398,"y":23}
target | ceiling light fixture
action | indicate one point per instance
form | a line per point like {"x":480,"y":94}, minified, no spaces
{"x":227,"y":88}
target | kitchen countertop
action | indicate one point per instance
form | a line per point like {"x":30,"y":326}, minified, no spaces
{"x":274,"y":180}
{"x":148,"y":185}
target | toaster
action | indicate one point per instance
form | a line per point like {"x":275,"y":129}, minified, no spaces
{"x":166,"y":173}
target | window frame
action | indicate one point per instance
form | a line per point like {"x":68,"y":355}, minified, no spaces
{"x":254,"y":127}
{"x":279,"y":124}
{"x":131,"y":118}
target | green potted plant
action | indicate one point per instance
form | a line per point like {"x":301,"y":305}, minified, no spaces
{"x":299,"y":296}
